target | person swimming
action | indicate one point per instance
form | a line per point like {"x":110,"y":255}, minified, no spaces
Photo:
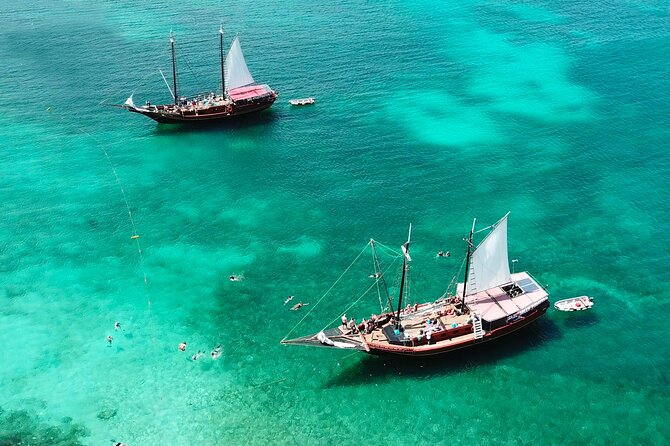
{"x":217,"y":352}
{"x":117,"y":325}
{"x":198,"y":355}
{"x":110,"y":339}
{"x":182,"y":346}
{"x":235,"y":278}
{"x":288,"y":299}
{"x":298,"y":306}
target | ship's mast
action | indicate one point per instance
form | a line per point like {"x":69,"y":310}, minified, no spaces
{"x":174,"y":70}
{"x":223,"y":76}
{"x":467,"y":263}
{"x":405,"y":266}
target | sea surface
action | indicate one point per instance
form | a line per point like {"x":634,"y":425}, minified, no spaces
{"x":428,"y":112}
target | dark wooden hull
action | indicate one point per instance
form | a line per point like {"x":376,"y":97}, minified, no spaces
{"x":438,"y":349}
{"x":166,"y":115}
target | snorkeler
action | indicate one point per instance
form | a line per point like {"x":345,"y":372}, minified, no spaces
{"x":217,"y":352}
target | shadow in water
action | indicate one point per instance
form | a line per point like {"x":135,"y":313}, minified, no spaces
{"x":579,"y":319}
{"x":248,"y":121}
{"x":372,"y":368}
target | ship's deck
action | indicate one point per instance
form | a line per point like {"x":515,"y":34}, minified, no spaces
{"x":496,"y":303}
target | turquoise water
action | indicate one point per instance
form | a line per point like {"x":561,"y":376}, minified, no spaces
{"x":427,"y":112}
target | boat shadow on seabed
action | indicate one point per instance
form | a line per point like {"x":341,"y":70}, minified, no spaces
{"x":370,"y":368}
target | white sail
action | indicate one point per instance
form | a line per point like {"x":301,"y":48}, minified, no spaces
{"x":237,"y":73}
{"x":129,"y":102}
{"x":489,"y":266}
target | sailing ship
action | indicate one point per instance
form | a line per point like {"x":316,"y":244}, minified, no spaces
{"x":490,"y":303}
{"x":240,"y":94}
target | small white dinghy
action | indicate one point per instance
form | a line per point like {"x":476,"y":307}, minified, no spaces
{"x":305,"y":101}
{"x":574,"y":304}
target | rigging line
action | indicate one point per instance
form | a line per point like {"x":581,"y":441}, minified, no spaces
{"x":390,"y":251}
{"x":379,"y":291}
{"x":357,"y":300}
{"x":454,"y":280}
{"x":326,"y":293}
{"x":134,"y":234}
{"x":195,"y":75}
{"x":134,"y":89}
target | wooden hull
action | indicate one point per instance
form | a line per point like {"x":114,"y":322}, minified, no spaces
{"x":442,"y":347}
{"x":165,"y":115}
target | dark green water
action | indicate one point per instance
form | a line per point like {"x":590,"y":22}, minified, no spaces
{"x":427,"y":112}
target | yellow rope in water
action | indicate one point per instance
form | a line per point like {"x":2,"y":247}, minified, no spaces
{"x":134,"y":234}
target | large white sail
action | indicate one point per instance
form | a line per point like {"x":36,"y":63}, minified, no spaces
{"x":489,"y":266}
{"x":237,"y":73}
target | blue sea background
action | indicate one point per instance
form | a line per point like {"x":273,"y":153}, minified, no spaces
{"x":429,"y":112}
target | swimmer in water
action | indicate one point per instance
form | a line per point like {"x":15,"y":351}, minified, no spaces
{"x":182,"y":346}
{"x":197,"y":355}
{"x":235,"y":278}
{"x":110,"y":339}
{"x":288,"y":299}
{"x":217,"y":352}
{"x":298,"y":306}
{"x":376,"y":275}
{"x":117,"y":325}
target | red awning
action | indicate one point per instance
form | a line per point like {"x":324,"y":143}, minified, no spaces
{"x":248,"y":92}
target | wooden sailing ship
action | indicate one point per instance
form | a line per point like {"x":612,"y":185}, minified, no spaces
{"x":240,"y":94}
{"x":490,"y":303}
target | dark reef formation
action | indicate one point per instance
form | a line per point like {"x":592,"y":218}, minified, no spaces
{"x":21,"y":428}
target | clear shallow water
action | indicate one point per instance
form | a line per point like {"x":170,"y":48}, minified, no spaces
{"x":433,"y":114}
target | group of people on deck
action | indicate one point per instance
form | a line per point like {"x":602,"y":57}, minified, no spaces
{"x":366,"y":326}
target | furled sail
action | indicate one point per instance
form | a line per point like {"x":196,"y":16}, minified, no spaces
{"x":489,"y":266}
{"x":237,"y":73}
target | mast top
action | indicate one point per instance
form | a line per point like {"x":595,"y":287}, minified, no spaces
{"x":221,"y":29}
{"x":405,"y":247}
{"x":171,"y":37}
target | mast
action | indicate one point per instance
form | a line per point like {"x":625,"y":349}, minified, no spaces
{"x":174,"y":70}
{"x":223,"y":76}
{"x":467,"y":263}
{"x":379,"y":268}
{"x":405,"y":266}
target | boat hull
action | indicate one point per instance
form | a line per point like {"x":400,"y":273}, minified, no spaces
{"x":441,"y":348}
{"x":163,"y":115}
